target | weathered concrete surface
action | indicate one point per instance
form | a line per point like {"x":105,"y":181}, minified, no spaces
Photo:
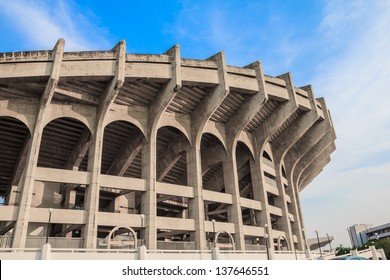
{"x":174,"y":148}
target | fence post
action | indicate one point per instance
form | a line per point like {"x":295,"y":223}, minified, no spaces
{"x":215,"y":253}
{"x":382,"y":253}
{"x":142,"y":252}
{"x":374,"y":253}
{"x":46,"y":251}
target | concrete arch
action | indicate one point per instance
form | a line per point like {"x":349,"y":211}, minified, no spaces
{"x":130,"y":230}
{"x":17,"y":116}
{"x":118,"y":155}
{"x":267,"y":148}
{"x":137,"y":123}
{"x":217,"y":134}
{"x":68,"y":114}
{"x":248,"y":146}
{"x":173,"y":122}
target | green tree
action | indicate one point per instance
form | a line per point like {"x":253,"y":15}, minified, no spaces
{"x":381,"y":244}
{"x":342,"y":250}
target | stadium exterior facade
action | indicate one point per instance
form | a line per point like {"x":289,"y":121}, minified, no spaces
{"x":172,"y":150}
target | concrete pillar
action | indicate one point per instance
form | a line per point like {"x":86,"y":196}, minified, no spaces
{"x":234,"y":211}
{"x":95,"y":151}
{"x":70,"y":198}
{"x":318,"y":131}
{"x":196,"y":205}
{"x":91,"y":200}
{"x":149,"y":198}
{"x":281,"y":147}
{"x":260,"y":194}
{"x":156,"y":110}
{"x":199,"y":119}
{"x":21,"y":225}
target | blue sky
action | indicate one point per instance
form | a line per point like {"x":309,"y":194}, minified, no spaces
{"x":341,"y":48}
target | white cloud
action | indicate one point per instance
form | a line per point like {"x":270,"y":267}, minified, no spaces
{"x":42,"y":23}
{"x":245,"y":31}
{"x":354,"y":187}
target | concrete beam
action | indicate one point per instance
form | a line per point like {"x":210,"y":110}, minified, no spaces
{"x":273,"y":123}
{"x":210,"y":103}
{"x":112,"y":90}
{"x":248,"y":109}
{"x":314,"y":165}
{"x":311,"y":155}
{"x":168,"y":93}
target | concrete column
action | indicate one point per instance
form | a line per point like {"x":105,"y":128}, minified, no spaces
{"x":234,"y":211}
{"x":149,"y":198}
{"x":294,"y":155}
{"x":155,"y":111}
{"x":70,"y":199}
{"x":196,"y":205}
{"x":199,"y":119}
{"x":282,"y":146}
{"x":95,"y":151}
{"x":21,"y":225}
{"x":260,"y":194}
{"x":91,"y":200}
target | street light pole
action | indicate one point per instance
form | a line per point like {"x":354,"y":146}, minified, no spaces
{"x":48,"y":225}
{"x":330,"y":245}
{"x":142,"y":231}
{"x":215,"y":241}
{"x":318,"y":240}
{"x":266,"y":240}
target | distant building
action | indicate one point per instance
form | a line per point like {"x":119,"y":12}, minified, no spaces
{"x":357,"y":234}
{"x":361,"y":233}
{"x":378,"y":232}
